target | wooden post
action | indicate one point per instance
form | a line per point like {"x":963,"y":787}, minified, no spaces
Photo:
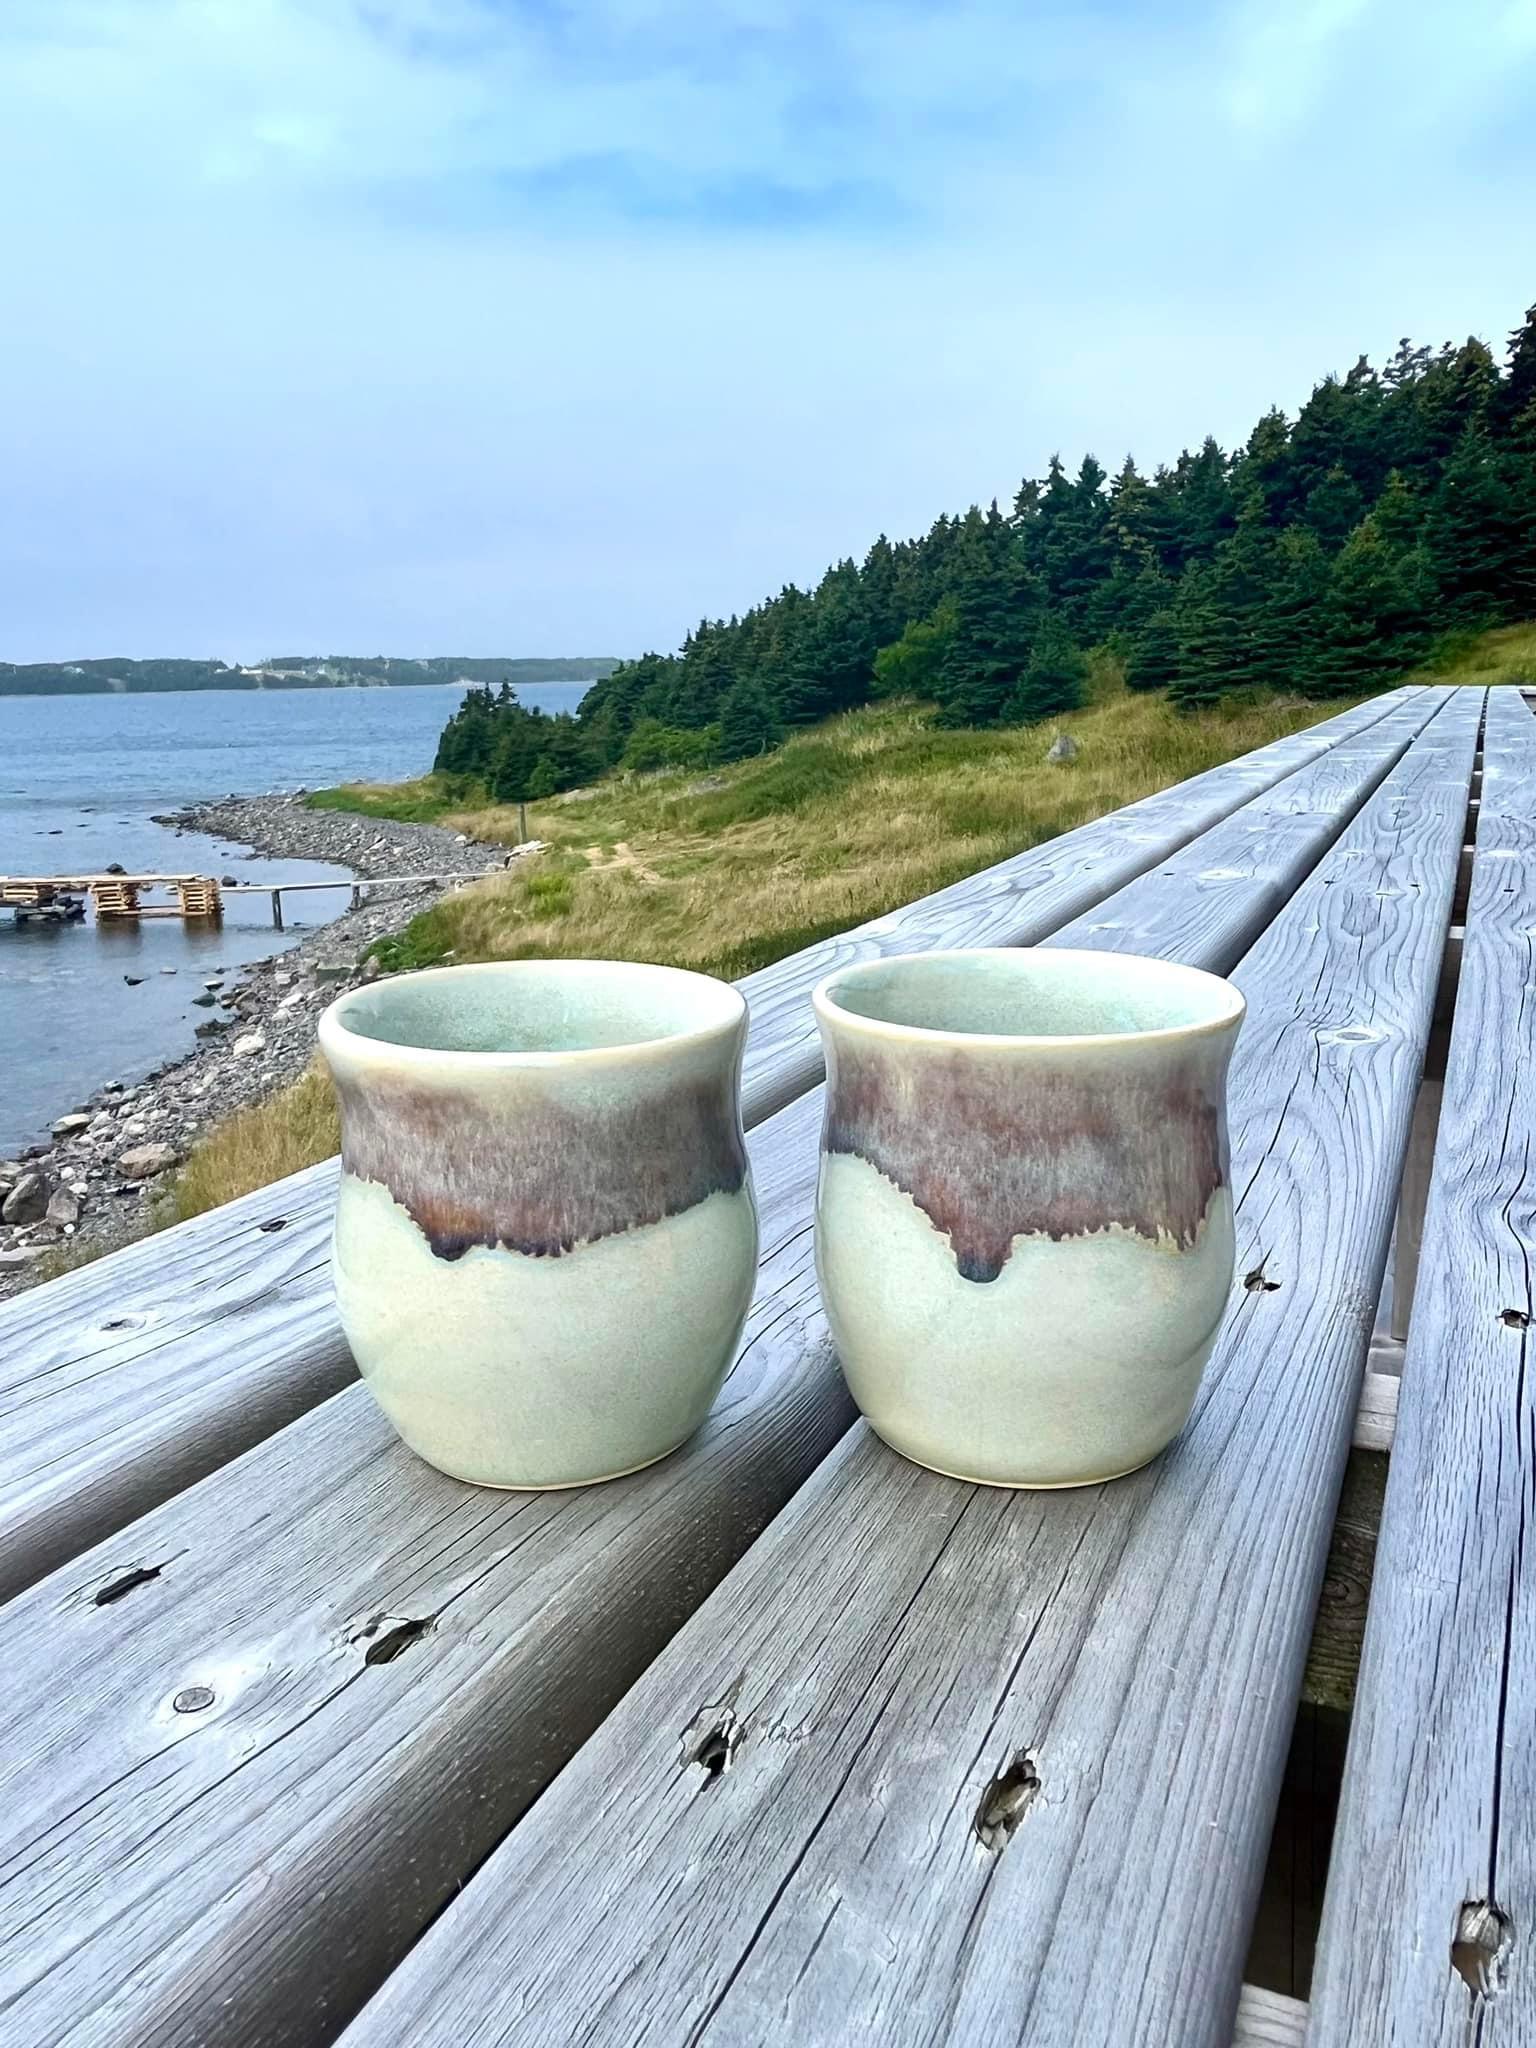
{"x":277,"y":908}
{"x":522,"y":824}
{"x":357,"y":897}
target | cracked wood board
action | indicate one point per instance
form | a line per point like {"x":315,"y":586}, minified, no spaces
{"x":1430,"y":1912}
{"x":278,"y":1845}
{"x":130,"y":1379}
{"x":1105,"y":1679}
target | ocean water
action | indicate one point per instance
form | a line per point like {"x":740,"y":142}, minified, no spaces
{"x":79,"y":780}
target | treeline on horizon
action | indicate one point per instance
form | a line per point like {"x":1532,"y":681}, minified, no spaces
{"x":1322,"y":557}
{"x":288,"y":671}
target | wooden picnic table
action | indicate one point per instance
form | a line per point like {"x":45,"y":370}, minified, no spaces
{"x":785,"y":1739}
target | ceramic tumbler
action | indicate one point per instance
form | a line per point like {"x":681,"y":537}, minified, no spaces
{"x":545,"y":1237}
{"x":1024,"y":1220}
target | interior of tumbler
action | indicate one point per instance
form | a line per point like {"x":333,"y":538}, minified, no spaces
{"x":1033,"y":992}
{"x":539,"y":1006}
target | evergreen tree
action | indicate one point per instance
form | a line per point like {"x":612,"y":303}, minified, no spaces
{"x":1477,"y":535}
{"x":1054,"y":677}
{"x":1369,"y":625}
{"x":997,"y":604}
{"x":1224,"y":626}
{"x":748,"y":722}
{"x":1334,"y":507}
{"x":1154,"y":657}
{"x":1293,"y":609}
{"x":513,"y":760}
{"x":911,"y":666}
{"x":1321,"y":556}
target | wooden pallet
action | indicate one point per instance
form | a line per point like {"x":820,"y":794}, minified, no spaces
{"x":115,"y":898}
{"x":199,"y":897}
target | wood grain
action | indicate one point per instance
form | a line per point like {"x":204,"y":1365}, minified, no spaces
{"x":913,"y":1667}
{"x":124,"y":1382}
{"x":279,"y":1848}
{"x":1438,"y":1818}
{"x":1268,"y":2019}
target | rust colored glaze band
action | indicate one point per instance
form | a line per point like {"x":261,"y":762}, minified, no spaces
{"x":535,"y":1175}
{"x":994,"y":1152}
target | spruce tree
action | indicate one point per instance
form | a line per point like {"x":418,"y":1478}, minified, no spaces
{"x":1054,"y":677}
{"x":1154,"y":657}
{"x":997,"y":604}
{"x":1476,"y":532}
{"x":748,"y":722}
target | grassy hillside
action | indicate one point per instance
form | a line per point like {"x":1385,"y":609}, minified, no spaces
{"x":728,"y":871}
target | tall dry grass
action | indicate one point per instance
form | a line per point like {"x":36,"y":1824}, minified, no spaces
{"x":729,"y":871}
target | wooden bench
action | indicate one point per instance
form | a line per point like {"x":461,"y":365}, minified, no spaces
{"x":301,"y":1733}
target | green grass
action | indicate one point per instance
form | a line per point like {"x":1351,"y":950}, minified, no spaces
{"x":730,"y":871}
{"x":422,"y":802}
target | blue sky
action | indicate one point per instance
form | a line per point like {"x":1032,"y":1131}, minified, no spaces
{"x":545,"y":326}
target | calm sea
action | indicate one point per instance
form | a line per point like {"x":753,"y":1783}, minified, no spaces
{"x":79,"y":778}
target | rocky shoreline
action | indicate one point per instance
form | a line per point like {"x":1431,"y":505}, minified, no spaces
{"x":99,"y":1181}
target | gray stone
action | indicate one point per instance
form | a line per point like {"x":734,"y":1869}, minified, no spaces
{"x":20,"y":1256}
{"x":67,"y":1126}
{"x":140,"y":1162}
{"x":211,"y":1027}
{"x":251,"y":1044}
{"x":63,"y":1207}
{"x":205,"y":1001}
{"x":27,"y":1201}
{"x":1063,"y":748}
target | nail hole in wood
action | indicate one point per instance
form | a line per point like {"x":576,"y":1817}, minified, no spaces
{"x":122,"y":1322}
{"x":711,"y":1740}
{"x":1006,"y":1801}
{"x":1480,"y":1949}
{"x":273,"y":1223}
{"x":1514,"y":1319}
{"x":1258,"y":1281}
{"x":139,"y":1575}
{"x":396,"y":1639}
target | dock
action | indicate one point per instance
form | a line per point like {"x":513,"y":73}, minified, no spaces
{"x":119,"y":897}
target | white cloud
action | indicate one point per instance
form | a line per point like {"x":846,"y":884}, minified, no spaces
{"x":418,"y":324}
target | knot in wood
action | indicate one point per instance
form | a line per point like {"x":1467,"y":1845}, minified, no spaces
{"x":1006,"y":1801}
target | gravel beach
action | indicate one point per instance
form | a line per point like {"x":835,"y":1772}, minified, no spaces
{"x":96,"y":1184}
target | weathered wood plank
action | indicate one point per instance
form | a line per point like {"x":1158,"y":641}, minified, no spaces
{"x":1376,"y":1416}
{"x":1268,"y":2019}
{"x":1431,"y":1902}
{"x":904,"y":1669}
{"x":278,"y":1848}
{"x":128,"y":1380}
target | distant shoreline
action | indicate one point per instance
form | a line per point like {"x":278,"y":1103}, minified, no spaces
{"x":121,"y":677}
